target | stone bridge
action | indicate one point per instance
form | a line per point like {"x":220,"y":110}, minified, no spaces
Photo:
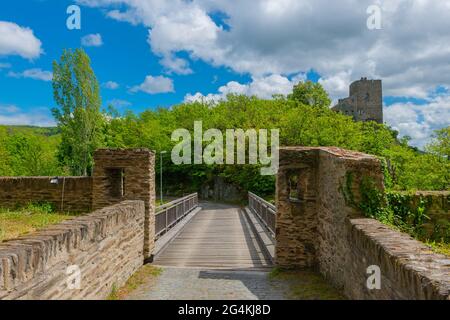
{"x":314,"y":225}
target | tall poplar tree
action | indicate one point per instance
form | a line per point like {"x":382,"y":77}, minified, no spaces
{"x":77,"y":94}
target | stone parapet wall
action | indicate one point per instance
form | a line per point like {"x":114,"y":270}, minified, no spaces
{"x":68,"y":194}
{"x":319,"y":226}
{"x":409,"y":269}
{"x":106,"y":245}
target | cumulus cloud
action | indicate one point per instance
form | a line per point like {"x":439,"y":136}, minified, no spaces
{"x":17,"y":40}
{"x":279,"y":38}
{"x":118,"y":103}
{"x":92,"y":40}
{"x":263,"y":37}
{"x":337,"y":85}
{"x":154,"y":85}
{"x":111,"y":85}
{"x":263,"y":87}
{"x":419,"y":120}
{"x":36,"y":74}
{"x":13,"y":115}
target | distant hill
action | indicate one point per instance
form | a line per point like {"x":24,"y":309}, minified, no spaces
{"x":44,"y":131}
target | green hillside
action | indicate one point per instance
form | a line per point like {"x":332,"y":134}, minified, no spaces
{"x":43,"y":131}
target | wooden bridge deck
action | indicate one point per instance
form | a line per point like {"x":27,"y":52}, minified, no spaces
{"x":219,"y":236}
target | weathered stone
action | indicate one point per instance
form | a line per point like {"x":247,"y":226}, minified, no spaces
{"x":108,"y":253}
{"x":69,"y":194}
{"x":126,"y":174}
{"x":365,"y":102}
{"x":317,"y":227}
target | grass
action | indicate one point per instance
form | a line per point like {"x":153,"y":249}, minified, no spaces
{"x":306,"y":285}
{"x":139,"y":278}
{"x":14,"y":223}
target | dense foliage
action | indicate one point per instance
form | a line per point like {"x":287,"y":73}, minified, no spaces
{"x":26,"y":151}
{"x":303,"y":118}
{"x":404,"y":211}
{"x":299,"y":124}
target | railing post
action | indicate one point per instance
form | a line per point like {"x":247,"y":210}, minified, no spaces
{"x":167,"y":217}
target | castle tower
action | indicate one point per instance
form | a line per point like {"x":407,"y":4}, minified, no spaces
{"x":365,"y":102}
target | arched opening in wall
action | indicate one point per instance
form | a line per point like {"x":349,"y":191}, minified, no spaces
{"x":116,"y":177}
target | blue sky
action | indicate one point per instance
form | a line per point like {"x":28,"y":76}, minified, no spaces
{"x":158,"y":53}
{"x":113,"y":61}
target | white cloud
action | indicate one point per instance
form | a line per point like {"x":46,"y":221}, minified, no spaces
{"x":111,"y":85}
{"x":277,"y":38}
{"x":262,"y":37}
{"x":17,"y":40}
{"x":12,"y":115}
{"x":118,"y":103}
{"x":154,"y":85}
{"x":36,"y":74}
{"x":337,"y":85}
{"x":419,"y":120}
{"x":8,"y":108}
{"x":263,"y":87}
{"x":92,"y":40}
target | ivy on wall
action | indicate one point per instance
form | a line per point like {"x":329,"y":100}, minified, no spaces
{"x":406,"y":212}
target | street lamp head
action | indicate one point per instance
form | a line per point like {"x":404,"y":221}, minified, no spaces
{"x":163,"y":152}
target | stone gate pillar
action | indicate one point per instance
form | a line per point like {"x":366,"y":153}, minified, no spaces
{"x":126,"y":174}
{"x":296,"y":197}
{"x":318,"y":191}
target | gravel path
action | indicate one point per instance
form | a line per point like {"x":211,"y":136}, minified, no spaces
{"x":200,"y":284}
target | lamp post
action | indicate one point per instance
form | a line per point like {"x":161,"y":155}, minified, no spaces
{"x":161,"y":176}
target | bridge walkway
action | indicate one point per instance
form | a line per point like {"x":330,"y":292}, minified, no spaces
{"x":217,"y":237}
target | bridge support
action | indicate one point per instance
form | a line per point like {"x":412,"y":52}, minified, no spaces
{"x":126,"y":174}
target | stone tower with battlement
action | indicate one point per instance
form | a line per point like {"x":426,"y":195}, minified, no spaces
{"x":365,"y":102}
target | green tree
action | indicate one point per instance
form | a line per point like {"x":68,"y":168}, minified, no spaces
{"x":441,"y":144}
{"x":76,"y":92}
{"x":5,"y":168}
{"x":33,"y":154}
{"x":311,"y":94}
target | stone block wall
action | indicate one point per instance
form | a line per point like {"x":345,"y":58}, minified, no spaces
{"x":437,"y":209}
{"x":68,"y":194}
{"x":319,"y":227}
{"x":119,"y":175}
{"x":220,"y":190}
{"x":126,"y":174}
{"x":409,"y":269}
{"x":340,"y":172}
{"x":106,"y":246}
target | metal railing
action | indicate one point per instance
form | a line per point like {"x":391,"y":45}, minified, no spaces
{"x":265,"y":211}
{"x":169,"y":214}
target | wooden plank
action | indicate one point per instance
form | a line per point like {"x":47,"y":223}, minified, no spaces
{"x":219,"y":236}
